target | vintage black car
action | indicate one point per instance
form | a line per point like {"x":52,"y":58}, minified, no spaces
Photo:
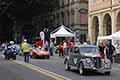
{"x":85,"y":58}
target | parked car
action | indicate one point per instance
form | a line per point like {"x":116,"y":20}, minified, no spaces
{"x":39,"y":53}
{"x":85,"y":58}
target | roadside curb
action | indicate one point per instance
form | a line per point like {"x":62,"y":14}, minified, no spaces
{"x":42,"y":71}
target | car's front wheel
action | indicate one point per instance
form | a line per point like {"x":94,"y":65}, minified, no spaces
{"x":34,"y":56}
{"x":81,"y":69}
{"x":14,"y":58}
{"x":67,"y":66}
{"x":107,"y":73}
{"x":47,"y":57}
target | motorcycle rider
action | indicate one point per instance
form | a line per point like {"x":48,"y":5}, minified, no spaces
{"x":10,"y":51}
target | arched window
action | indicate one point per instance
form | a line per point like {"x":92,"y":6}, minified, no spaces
{"x":83,"y":16}
{"x":107,"y":24}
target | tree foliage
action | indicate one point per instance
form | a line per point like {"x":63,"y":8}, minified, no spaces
{"x":27,"y":7}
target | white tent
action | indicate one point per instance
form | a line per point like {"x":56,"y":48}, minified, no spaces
{"x":62,"y":31}
{"x":116,"y":36}
{"x":104,"y":37}
{"x":100,"y":38}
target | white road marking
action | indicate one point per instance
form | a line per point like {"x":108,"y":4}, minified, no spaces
{"x":43,"y":71}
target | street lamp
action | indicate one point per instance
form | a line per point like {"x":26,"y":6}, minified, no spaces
{"x":47,"y":35}
{"x":45,"y":30}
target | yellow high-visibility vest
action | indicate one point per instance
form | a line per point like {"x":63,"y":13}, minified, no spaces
{"x":25,"y":47}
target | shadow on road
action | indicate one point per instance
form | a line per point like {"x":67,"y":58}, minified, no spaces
{"x":89,"y":73}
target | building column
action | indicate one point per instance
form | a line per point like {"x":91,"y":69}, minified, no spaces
{"x":76,"y":21}
{"x":65,"y":17}
{"x":60,"y":18}
{"x":100,"y":25}
{"x":104,"y":29}
{"x":70,"y":16}
{"x":90,"y":29}
{"x":114,"y":29}
{"x":113,"y":24}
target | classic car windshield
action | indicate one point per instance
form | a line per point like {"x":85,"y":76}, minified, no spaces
{"x":92,"y":50}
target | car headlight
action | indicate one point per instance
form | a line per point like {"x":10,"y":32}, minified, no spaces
{"x":88,"y":60}
{"x":68,"y":57}
{"x":107,"y":61}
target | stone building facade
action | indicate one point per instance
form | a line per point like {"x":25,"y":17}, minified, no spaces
{"x":104,"y":18}
{"x":73,"y":14}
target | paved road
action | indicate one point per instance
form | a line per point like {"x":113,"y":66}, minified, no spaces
{"x":12,"y":71}
{"x":55,"y":64}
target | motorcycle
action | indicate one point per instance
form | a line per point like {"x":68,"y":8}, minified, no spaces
{"x":10,"y":53}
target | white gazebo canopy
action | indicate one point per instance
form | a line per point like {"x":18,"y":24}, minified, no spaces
{"x":116,"y":36}
{"x":104,"y":37}
{"x":62,"y":31}
{"x":99,"y":38}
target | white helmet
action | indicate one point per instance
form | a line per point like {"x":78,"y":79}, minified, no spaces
{"x":11,"y":42}
{"x":25,"y":40}
{"x":85,"y":43}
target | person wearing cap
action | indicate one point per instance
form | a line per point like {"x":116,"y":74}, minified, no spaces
{"x":25,"y":50}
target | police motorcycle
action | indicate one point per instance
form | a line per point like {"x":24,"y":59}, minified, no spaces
{"x":10,"y":51}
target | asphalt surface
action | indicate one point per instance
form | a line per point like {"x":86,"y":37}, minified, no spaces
{"x":55,"y":64}
{"x":12,"y":71}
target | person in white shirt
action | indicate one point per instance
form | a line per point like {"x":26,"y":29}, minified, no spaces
{"x":117,"y":52}
{"x":51,"y":47}
{"x":117,"y":48}
{"x":65,"y":48}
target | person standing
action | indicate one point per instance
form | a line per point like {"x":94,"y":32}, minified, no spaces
{"x":25,"y":50}
{"x":65,"y":48}
{"x":110,"y":50}
{"x":61,"y":49}
{"x":101,"y":50}
{"x":117,"y":48}
{"x":46,"y":45}
{"x":117,"y":52}
{"x":77,"y":42}
{"x":10,"y":50}
{"x":51,"y":47}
